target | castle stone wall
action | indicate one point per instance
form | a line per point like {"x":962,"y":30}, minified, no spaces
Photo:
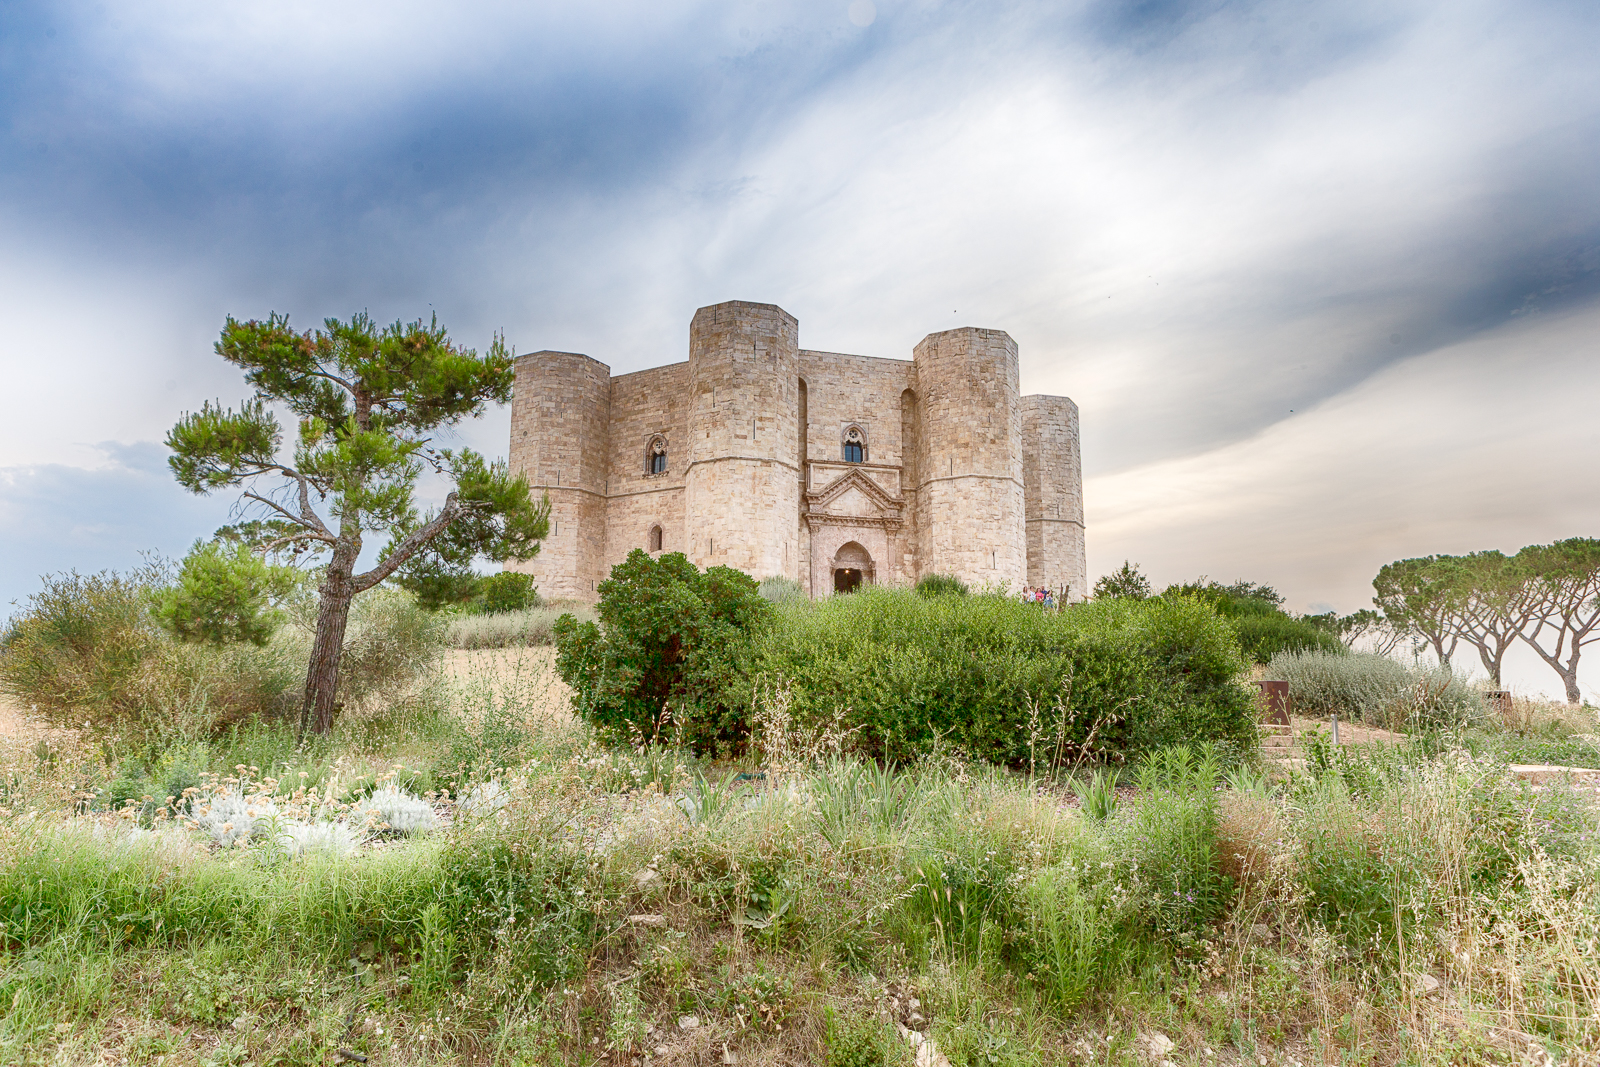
{"x":842,"y":390}
{"x":910,"y":479}
{"x":846,"y":390}
{"x":1053,"y":483}
{"x":644,"y":405}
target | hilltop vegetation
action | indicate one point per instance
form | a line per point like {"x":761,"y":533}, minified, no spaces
{"x":693,"y":655}
{"x":888,"y":822}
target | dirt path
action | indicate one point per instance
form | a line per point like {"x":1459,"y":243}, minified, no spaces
{"x":16,"y":723}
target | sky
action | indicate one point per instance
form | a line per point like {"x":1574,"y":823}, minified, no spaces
{"x":1323,"y":278}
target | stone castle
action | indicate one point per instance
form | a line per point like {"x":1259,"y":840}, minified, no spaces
{"x":833,"y":470}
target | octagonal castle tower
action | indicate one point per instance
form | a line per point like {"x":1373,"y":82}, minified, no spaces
{"x":970,"y":491}
{"x":826,"y":468}
{"x":742,"y":483}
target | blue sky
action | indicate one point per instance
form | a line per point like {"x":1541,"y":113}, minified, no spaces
{"x":1323,"y":278}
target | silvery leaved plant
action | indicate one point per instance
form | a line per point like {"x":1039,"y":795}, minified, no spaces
{"x":230,"y":818}
{"x":331,"y":838}
{"x":484,"y":799}
{"x":390,"y":807}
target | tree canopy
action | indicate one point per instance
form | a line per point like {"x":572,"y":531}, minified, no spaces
{"x":1126,"y":581}
{"x":368,"y":400}
{"x":1546,"y":596}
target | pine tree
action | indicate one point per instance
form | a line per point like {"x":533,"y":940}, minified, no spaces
{"x":369,"y":400}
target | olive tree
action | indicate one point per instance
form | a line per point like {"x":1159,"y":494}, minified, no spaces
{"x":368,"y":400}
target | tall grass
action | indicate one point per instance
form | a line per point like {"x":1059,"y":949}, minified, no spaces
{"x":810,"y":907}
{"x":530,"y":627}
{"x":85,"y":652}
{"x":1377,"y":690}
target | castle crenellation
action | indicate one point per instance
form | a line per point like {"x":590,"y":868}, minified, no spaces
{"x":832,"y":469}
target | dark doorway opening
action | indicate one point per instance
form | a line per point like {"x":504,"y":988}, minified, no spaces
{"x":846,"y":580}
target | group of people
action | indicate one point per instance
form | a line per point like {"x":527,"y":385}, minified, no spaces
{"x":1041,"y":595}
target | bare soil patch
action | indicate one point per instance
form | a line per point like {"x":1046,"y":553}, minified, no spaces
{"x":1350,"y":733}
{"x":524,"y":676}
{"x":18,"y":723}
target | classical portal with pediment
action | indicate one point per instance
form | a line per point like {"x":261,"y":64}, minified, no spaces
{"x":854,"y":514}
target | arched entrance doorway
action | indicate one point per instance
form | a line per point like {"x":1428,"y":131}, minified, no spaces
{"x":852,"y":568}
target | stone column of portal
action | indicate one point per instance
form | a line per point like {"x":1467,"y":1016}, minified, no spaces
{"x":742,"y":487}
{"x":560,"y":419}
{"x":969,"y":470}
{"x":1052,"y":477}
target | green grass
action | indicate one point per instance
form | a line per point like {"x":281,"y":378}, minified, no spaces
{"x":804,"y":910}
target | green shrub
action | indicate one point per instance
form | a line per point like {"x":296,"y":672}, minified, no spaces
{"x":1375,"y":689}
{"x":506,"y":591}
{"x":1004,"y":681}
{"x":1264,"y":628}
{"x":941,"y":585}
{"x":1195,"y":692}
{"x":673,"y":636}
{"x":1263,"y":636}
{"x":77,"y":653}
{"x":224,"y":594}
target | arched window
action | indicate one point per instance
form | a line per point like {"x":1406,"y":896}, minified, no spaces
{"x":655,"y":460}
{"x":855,"y":445}
{"x":655,"y":539}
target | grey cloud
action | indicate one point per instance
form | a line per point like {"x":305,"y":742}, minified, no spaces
{"x":1194,"y":217}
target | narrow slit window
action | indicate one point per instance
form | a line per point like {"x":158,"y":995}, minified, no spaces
{"x":655,"y":539}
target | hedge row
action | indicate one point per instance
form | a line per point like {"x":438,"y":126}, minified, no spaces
{"x":1007,"y":681}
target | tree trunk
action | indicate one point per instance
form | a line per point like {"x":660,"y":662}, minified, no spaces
{"x":333,"y":615}
{"x":1438,"y":649}
{"x":1569,"y":675}
{"x":1492,"y":661}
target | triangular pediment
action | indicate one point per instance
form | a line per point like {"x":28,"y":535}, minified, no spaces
{"x":867,"y":495}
